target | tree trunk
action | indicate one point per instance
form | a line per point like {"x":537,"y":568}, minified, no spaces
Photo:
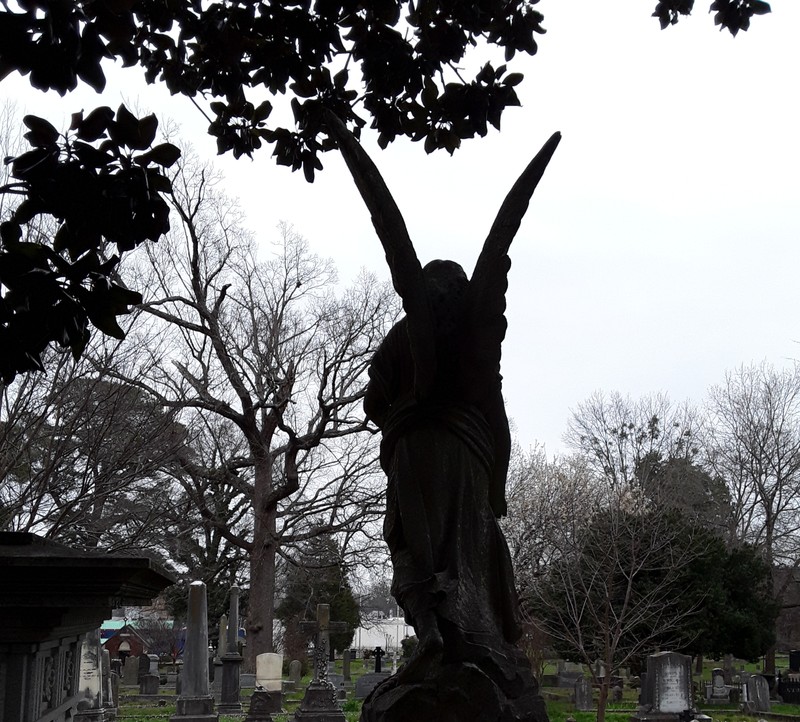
{"x":769,"y":660}
{"x":261,"y":604}
{"x":602,"y":699}
{"x":698,"y":664}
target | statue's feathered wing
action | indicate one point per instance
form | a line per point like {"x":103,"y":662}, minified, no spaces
{"x":403,"y":263}
{"x":486,"y":321}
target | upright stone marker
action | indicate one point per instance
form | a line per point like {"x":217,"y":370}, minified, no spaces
{"x":130,"y":672}
{"x":295,"y":671}
{"x":667,"y":688}
{"x":90,"y":680}
{"x":268,"y":695}
{"x":583,"y":694}
{"x":319,"y":703}
{"x":195,"y":703}
{"x":346,"y":665}
{"x":757,"y":694}
{"x":230,"y":702}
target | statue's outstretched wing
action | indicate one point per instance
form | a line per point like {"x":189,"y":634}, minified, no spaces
{"x":489,"y":282}
{"x":486,"y":321}
{"x":405,"y":268}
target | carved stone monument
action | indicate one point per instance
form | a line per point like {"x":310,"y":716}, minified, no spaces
{"x":435,"y":393}
{"x":47,"y":609}
{"x":667,"y":688}
{"x":267,"y":698}
{"x":319,"y":702}
{"x":230,"y":702}
{"x":195,"y":703}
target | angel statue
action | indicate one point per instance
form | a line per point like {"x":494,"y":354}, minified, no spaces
{"x":435,"y":392}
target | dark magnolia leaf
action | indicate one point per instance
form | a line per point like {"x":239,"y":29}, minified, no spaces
{"x":23,"y":165}
{"x":147,"y":132}
{"x":513,"y":79}
{"x":95,"y":124}
{"x":10,"y":233}
{"x":759,"y":7}
{"x":164,"y":154}
{"x":42,"y":133}
{"x":125,"y":128}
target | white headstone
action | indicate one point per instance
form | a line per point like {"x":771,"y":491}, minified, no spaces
{"x":670,"y":675}
{"x":90,"y":680}
{"x":269,"y":671}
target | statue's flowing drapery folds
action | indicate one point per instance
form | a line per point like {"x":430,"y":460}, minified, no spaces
{"x":435,"y":392}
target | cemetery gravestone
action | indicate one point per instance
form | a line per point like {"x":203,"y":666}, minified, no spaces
{"x":267,"y":698}
{"x":583,"y":694}
{"x":718,"y":692}
{"x":230,"y":702}
{"x":346,"y":665}
{"x":667,"y":686}
{"x":378,"y":653}
{"x":149,"y":685}
{"x":616,"y":693}
{"x":757,"y":693}
{"x":319,"y":702}
{"x":90,"y":680}
{"x":295,"y":671}
{"x":109,"y":697}
{"x":130,"y":672}
{"x":195,"y":703}
{"x":144,"y":667}
{"x":794,"y":660}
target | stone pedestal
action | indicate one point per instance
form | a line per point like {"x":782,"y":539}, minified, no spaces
{"x":319,"y":705}
{"x":149,"y":685}
{"x":195,"y":709}
{"x":263,"y":705}
{"x":230,"y":702}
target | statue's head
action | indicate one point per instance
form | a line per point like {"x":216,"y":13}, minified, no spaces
{"x":446,"y":284}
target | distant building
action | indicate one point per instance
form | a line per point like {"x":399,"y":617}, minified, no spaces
{"x":385,"y":632}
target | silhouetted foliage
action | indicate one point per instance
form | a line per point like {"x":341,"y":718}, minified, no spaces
{"x":402,"y":62}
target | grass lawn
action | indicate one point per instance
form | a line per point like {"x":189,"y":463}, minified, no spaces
{"x":559,"y":708}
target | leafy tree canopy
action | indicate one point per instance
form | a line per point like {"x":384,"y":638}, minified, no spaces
{"x":399,"y":63}
{"x":317,"y":576}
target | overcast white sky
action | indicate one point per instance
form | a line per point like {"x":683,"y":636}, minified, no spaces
{"x":662,"y":246}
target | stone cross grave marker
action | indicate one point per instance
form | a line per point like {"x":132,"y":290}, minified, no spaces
{"x":378,"y":653}
{"x":321,"y":629}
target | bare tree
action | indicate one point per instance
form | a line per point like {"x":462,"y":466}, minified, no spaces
{"x":82,"y":457}
{"x":615,"y":585}
{"x":619,"y":436}
{"x":754,"y":443}
{"x":271,"y":348}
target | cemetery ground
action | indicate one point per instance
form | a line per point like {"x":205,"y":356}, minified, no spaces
{"x":559,"y":705}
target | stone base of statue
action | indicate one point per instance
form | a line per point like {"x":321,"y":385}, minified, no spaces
{"x":195,"y":709}
{"x":319,"y":705}
{"x":432,"y":690}
{"x":263,"y":704}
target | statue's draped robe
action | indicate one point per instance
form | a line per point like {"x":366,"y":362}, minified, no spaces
{"x":442,"y":455}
